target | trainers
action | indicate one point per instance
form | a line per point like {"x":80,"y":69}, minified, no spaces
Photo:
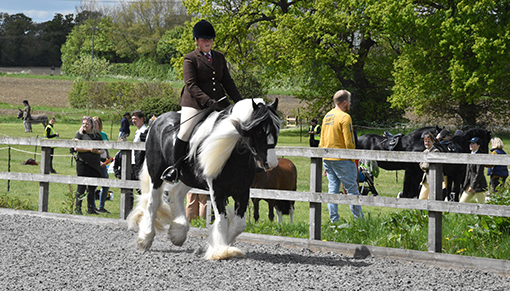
{"x":102,"y":210}
{"x":92,"y":211}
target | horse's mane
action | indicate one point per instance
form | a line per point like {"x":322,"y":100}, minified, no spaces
{"x":215,"y":139}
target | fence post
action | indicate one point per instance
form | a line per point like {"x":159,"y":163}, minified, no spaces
{"x":435,"y":218}
{"x":44,"y":187}
{"x":315,"y":208}
{"x":126,"y":194}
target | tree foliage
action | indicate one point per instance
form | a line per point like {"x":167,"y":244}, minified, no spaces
{"x":331,"y":45}
{"x":454,"y":57}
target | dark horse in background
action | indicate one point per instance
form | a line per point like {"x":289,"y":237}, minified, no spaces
{"x":282,"y":177}
{"x":414,"y":142}
{"x":411,"y":142}
{"x":225,"y":150}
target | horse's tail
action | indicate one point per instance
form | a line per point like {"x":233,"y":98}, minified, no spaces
{"x":136,"y":214}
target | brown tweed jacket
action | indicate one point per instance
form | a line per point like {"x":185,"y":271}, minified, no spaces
{"x":203,"y":80}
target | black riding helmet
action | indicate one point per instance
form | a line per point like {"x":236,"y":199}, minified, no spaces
{"x":203,"y":29}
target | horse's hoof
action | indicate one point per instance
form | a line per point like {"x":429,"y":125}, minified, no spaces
{"x":223,"y":253}
{"x":145,"y":243}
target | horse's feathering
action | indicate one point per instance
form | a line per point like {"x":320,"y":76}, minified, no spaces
{"x":213,"y":141}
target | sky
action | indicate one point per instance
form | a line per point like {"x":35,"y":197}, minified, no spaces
{"x":43,"y":10}
{"x":39,"y":10}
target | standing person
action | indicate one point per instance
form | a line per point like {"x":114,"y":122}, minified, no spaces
{"x":124,"y":130}
{"x":27,"y":115}
{"x":428,"y":141}
{"x":98,"y":125}
{"x":138,"y":157}
{"x":337,"y":133}
{"x":474,"y":183}
{"x":87,"y":164}
{"x":315,"y":133}
{"x":206,"y":78}
{"x":50,"y":133}
{"x":497,"y":174}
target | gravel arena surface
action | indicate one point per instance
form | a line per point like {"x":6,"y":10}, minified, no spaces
{"x":61,"y":253}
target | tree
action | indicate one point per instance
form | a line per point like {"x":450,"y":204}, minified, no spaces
{"x":454,"y":57}
{"x":330,"y":44}
{"x":17,"y":39}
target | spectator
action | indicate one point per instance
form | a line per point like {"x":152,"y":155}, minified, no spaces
{"x":98,"y":125}
{"x":497,"y":174}
{"x":138,"y":157}
{"x":196,"y":206}
{"x":474,"y":183}
{"x":50,"y":133}
{"x":124,"y":130}
{"x":27,"y":116}
{"x":87,"y":165}
{"x":206,"y":78}
{"x":315,"y":133}
{"x":337,"y":132}
{"x":428,"y":141}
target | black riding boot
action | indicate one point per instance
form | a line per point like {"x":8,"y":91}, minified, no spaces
{"x":171,"y":174}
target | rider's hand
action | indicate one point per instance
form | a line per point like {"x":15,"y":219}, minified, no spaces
{"x":211,"y":103}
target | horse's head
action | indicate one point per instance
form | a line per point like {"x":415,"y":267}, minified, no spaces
{"x":20,"y":113}
{"x":484,"y":135}
{"x":261,"y":130}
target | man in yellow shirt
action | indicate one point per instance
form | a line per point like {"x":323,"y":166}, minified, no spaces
{"x":337,"y":133}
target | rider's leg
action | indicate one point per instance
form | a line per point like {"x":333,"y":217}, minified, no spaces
{"x":189,"y":118}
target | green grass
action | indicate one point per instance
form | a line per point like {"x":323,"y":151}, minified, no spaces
{"x":481,"y":236}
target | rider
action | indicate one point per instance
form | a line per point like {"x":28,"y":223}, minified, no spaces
{"x":206,"y":78}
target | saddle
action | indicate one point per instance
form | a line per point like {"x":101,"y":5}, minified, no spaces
{"x":391,"y":141}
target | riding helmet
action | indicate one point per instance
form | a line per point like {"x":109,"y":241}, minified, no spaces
{"x":204,"y":29}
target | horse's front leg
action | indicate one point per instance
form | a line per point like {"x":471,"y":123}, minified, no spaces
{"x":224,"y":230}
{"x":179,"y":225}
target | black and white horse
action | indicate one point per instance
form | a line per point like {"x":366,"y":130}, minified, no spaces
{"x":225,"y":150}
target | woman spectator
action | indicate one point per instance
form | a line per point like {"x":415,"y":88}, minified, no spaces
{"x":98,"y":126}
{"x":497,"y":174}
{"x":87,"y":164}
{"x":474,"y":183}
{"x":428,"y":141}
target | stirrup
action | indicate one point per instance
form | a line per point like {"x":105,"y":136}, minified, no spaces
{"x":170,"y":174}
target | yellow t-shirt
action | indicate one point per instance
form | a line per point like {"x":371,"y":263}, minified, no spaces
{"x":337,"y":131}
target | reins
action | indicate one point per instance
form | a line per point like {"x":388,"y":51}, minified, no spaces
{"x":207,"y":113}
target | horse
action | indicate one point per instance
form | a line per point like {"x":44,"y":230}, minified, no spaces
{"x":282,"y":177}
{"x":400,"y":142}
{"x":41,"y":118}
{"x":413,"y":142}
{"x":224,"y":152}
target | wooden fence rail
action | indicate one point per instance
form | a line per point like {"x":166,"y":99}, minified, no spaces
{"x":315,"y":197}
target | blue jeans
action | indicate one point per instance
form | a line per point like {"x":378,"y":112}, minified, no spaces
{"x":104,"y":190}
{"x":342,"y":172}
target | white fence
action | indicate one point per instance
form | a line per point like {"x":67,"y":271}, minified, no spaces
{"x":315,"y":197}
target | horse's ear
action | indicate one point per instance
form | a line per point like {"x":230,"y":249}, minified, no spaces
{"x":274,"y":105}
{"x":19,"y":109}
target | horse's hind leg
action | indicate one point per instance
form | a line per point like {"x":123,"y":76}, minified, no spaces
{"x":147,"y":228}
{"x":179,"y":225}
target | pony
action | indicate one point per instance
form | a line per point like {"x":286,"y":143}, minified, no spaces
{"x":400,"y":142}
{"x":282,"y":177}
{"x":41,"y":118}
{"x":224,"y":151}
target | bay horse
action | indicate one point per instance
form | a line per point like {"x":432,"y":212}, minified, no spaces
{"x":282,"y":177}
{"x":225,"y":150}
{"x":409,"y":142}
{"x":40,"y":118}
